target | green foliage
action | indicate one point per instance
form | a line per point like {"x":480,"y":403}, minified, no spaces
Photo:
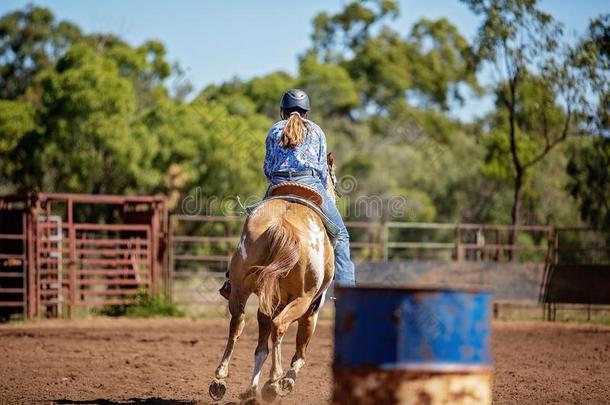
{"x":87,"y":108}
{"x":91,"y":113}
{"x":444,"y":65}
{"x":17,"y":120}
{"x":261,"y":94}
{"x":350,"y":27}
{"x":146,"y":307}
{"x":523,"y":45}
{"x":430,"y":63}
{"x":30,"y":41}
{"x":330,"y":85}
{"x":589,"y":168}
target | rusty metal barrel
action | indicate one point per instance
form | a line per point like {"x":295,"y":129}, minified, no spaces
{"x":412,"y":346}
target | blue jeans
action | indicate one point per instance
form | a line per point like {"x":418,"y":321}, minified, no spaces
{"x":344,"y":268}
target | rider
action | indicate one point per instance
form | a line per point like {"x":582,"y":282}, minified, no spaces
{"x":296,"y":152}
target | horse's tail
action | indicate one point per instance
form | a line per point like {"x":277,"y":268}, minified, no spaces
{"x":284,"y":253}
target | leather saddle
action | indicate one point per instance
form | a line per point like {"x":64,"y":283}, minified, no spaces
{"x":304,"y":195}
{"x":292,"y":188}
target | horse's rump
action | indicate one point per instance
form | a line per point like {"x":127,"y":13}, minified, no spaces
{"x":284,"y":230}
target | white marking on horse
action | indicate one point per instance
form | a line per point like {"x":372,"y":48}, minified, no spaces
{"x":316,"y":251}
{"x":259,"y":359}
{"x":242,"y":248}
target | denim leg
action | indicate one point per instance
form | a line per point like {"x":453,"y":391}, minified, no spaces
{"x":344,"y":268}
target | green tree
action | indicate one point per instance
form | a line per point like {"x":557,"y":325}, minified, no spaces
{"x":330,"y":86}
{"x":522,"y":44}
{"x":17,"y":120}
{"x":591,"y":70}
{"x":88,"y":143}
{"x":428,"y":67}
{"x":31,"y":40}
{"x":351,"y":27}
{"x":589,"y":166}
{"x":589,"y":171}
{"x":263,"y":91}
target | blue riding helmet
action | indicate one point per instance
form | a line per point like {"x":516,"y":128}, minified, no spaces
{"x":293,"y":99}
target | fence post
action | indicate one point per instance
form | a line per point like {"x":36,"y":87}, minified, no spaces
{"x":497,"y":243}
{"x":154,"y":239}
{"x":556,"y":246}
{"x":458,"y":243}
{"x":165,"y":244}
{"x":171,"y":263}
{"x":385,"y":241}
{"x":72,"y":259}
{"x":24,"y":261}
{"x":31,"y":265}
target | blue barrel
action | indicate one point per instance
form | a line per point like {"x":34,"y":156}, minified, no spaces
{"x":411,"y":346}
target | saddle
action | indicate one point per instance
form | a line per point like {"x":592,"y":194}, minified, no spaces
{"x":292,"y":188}
{"x":304,"y":195}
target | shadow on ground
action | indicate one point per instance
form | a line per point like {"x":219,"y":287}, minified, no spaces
{"x":131,"y":401}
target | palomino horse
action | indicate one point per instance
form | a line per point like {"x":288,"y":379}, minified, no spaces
{"x":286,"y":258}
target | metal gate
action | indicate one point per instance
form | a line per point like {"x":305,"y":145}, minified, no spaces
{"x":58,"y":257}
{"x":90,"y":265}
{"x":49,"y":270}
{"x":13,"y":263}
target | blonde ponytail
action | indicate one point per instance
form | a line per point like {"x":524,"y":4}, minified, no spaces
{"x":294,"y":131}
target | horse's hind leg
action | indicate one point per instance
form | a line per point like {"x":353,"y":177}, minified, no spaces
{"x":260,"y":354}
{"x":293,"y":311}
{"x":237,"y":304}
{"x":307,"y":326}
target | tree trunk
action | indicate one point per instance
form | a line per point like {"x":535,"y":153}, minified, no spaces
{"x":518,"y":174}
{"x":515,"y":211}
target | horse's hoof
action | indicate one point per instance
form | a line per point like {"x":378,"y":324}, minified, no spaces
{"x":269,"y":391}
{"x":217,"y":389}
{"x":247,"y":395}
{"x":249,"y":401}
{"x":285,"y":386}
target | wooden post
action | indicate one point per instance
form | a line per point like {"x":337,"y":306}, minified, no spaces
{"x":458,"y":243}
{"x":497,"y":255}
{"x":556,"y":247}
{"x":228,"y":235}
{"x":385,"y":241}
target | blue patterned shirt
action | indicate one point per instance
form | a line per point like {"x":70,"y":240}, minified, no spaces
{"x":310,"y":155}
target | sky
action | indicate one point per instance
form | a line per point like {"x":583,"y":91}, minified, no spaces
{"x":216,"y":40}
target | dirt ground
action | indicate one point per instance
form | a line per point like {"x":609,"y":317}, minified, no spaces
{"x":168,"y":361}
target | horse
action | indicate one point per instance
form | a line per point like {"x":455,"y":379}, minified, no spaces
{"x":286,"y":258}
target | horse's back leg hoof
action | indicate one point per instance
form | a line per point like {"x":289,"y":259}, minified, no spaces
{"x":249,"y":401}
{"x":285,"y":386}
{"x":248,"y":394}
{"x":217,"y":390}
{"x":269,"y":392}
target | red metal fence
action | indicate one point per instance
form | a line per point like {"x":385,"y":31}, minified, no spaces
{"x":67,"y":261}
{"x":13,"y":263}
